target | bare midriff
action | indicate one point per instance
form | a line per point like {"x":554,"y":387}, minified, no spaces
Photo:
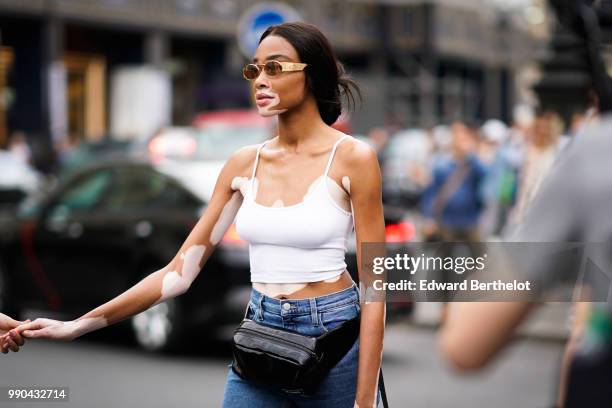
{"x":305,"y":290}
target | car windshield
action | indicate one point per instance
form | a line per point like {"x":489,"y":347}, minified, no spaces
{"x":219,"y":142}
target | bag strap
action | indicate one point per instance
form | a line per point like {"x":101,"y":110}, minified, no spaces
{"x":449,"y":187}
{"x":383,"y":391}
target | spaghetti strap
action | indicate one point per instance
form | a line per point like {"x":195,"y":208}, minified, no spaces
{"x":256,"y":160}
{"x":331,"y":156}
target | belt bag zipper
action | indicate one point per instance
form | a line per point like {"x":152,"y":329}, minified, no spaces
{"x":253,"y":333}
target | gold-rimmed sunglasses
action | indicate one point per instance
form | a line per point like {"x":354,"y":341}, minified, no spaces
{"x":271,"y":68}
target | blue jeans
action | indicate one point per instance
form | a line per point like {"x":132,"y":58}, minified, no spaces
{"x":312,"y":317}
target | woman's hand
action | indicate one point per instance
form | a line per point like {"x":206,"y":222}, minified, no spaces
{"x":8,"y":342}
{"x":48,"y":329}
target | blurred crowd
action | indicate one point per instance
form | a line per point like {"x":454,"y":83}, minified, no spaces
{"x":476,"y":180}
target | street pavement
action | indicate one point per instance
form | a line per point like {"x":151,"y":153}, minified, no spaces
{"x":105,"y":372}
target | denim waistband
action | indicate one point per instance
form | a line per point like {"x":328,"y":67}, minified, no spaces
{"x":305,"y":306}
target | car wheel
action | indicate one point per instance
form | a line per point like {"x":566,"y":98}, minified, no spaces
{"x":159,"y":328}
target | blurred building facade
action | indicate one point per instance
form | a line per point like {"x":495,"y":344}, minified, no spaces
{"x":420,"y":62}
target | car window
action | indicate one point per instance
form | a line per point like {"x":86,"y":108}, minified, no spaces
{"x":143,"y":189}
{"x":83,"y":194}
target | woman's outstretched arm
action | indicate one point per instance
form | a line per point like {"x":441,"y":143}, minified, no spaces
{"x":366,"y":197}
{"x":175,"y":278}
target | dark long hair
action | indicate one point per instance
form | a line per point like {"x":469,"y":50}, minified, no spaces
{"x":325,"y":75}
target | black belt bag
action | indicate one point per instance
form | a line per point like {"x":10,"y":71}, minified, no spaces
{"x":294,"y":362}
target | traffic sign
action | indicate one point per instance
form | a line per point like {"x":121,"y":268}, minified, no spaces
{"x":257,"y":19}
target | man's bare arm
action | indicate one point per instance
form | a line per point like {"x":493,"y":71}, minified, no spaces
{"x":475,"y":332}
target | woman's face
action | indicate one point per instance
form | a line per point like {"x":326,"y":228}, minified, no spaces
{"x":276,"y":95}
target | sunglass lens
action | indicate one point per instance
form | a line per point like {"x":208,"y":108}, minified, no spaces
{"x":273,"y":68}
{"x":250,"y":71}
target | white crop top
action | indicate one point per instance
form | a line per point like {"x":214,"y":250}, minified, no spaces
{"x":305,"y":242}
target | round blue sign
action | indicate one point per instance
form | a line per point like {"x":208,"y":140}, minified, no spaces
{"x":257,"y":19}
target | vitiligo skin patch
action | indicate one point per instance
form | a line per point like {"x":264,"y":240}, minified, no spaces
{"x":337,"y":193}
{"x":62,"y":330}
{"x":226,"y":218}
{"x":268,"y":109}
{"x":165,"y":283}
{"x":346,"y":183}
{"x":285,"y":289}
{"x":240,"y":184}
{"x":178,"y":281}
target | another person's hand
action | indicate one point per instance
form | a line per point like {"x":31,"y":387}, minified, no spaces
{"x":10,"y":342}
{"x":42,"y":328}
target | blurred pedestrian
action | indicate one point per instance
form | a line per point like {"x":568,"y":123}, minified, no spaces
{"x":493,"y":134}
{"x":378,"y":138}
{"x":540,"y":153}
{"x":500,"y":155}
{"x":523,"y":117}
{"x":452,"y":203}
{"x":441,"y":142}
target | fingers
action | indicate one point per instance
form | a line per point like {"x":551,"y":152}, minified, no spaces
{"x":16,"y":337}
{"x":11,"y":344}
{"x":32,"y":334}
{"x":35,"y":325}
{"x":6,"y":344}
{"x":7,"y":322}
{"x":38,"y":328}
{"x":12,"y":340}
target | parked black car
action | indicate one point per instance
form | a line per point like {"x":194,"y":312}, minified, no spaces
{"x":108,"y":226}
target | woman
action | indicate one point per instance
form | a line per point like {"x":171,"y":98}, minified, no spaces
{"x":294,"y":209}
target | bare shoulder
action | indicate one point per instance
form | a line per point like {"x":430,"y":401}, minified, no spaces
{"x":242,"y":160}
{"x":356,"y":156}
{"x":237,"y":168}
